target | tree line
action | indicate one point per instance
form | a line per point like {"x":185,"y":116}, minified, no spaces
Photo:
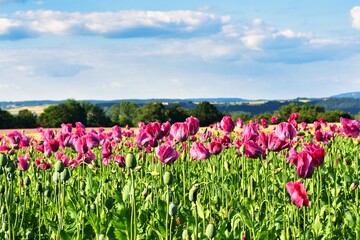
{"x":130,"y":114}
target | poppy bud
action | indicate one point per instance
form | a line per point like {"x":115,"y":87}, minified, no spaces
{"x":193,"y":192}
{"x":65,"y":175}
{"x":130,"y":160}
{"x":210,"y":231}
{"x":145,"y":192}
{"x":173,"y":209}
{"x":168,"y":178}
{"x":3,"y":159}
{"x":59,"y":166}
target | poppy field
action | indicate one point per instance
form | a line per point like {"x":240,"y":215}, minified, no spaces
{"x":230,"y":180}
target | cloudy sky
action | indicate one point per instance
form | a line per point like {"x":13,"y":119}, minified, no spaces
{"x":121,"y":49}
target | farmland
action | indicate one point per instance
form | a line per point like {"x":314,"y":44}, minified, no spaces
{"x":229,"y":180}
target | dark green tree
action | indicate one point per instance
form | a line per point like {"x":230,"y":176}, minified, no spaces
{"x":177,"y":113}
{"x":70,"y":111}
{"x":151,"y":112}
{"x":25,"y":119}
{"x":95,"y":116}
{"x":206,"y":113}
{"x":284,"y":112}
{"x":123,"y":113}
{"x":6,"y":120}
{"x":334,"y":115}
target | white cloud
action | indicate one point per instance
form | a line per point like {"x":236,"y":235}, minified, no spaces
{"x":355,"y":14}
{"x":122,"y":24}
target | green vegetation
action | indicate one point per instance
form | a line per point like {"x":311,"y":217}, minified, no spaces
{"x":129,"y":113}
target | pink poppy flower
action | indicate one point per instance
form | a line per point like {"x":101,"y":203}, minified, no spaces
{"x":198,"y":151}
{"x":298,"y":194}
{"x":227,"y":124}
{"x":166,"y":154}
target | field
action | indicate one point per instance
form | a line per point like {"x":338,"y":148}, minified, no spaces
{"x":228,"y":181}
{"x":34,"y":109}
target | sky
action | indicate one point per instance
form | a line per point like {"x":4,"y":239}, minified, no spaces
{"x":122,"y":49}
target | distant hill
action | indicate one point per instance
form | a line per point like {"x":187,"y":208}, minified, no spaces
{"x":347,"y":95}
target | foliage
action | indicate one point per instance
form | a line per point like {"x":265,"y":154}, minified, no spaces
{"x":176,"y":113}
{"x":151,"y":112}
{"x":206,"y":113}
{"x":25,"y":119}
{"x":95,"y":115}
{"x":6,"y":120}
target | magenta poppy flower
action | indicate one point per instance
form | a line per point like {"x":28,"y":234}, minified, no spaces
{"x":120,"y":160}
{"x":317,"y":153}
{"x":180,"y":131}
{"x":350,"y":127}
{"x":193,"y":125}
{"x":251,"y":132}
{"x":274,"y":119}
{"x":80,"y":145}
{"x":66,"y":128}
{"x":293,"y":117}
{"x":166,"y":154}
{"x":23,"y":164}
{"x":143,"y":139}
{"x":239,"y":123}
{"x":198,"y":151}
{"x":264,"y":123}
{"x":40,"y":163}
{"x":253,"y":150}
{"x":24,"y":142}
{"x":273,"y":142}
{"x":165,"y":128}
{"x":205,"y":136}
{"x":303,"y":125}
{"x":227,"y":124}
{"x":317,"y":125}
{"x":154,"y":130}
{"x":215,"y":147}
{"x":15,"y":138}
{"x":298,"y":194}
{"x":106,"y":150}
{"x":92,"y":140}
{"x":304,"y":167}
{"x":285,"y":131}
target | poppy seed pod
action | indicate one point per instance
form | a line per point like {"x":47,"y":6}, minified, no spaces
{"x":65,"y":175}
{"x":59,"y":166}
{"x":193,"y":192}
{"x":168,"y":178}
{"x":29,"y":235}
{"x":173,"y":209}
{"x":130,"y":160}
{"x":210,"y":231}
{"x":3,"y":159}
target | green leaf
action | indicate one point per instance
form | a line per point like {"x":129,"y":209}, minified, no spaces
{"x":317,"y":225}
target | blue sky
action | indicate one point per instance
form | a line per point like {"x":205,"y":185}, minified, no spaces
{"x":122,"y":49}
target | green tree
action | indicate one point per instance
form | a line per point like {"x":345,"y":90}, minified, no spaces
{"x":244,"y":116}
{"x":70,"y":111}
{"x":6,"y":119}
{"x":25,"y":119}
{"x":151,"y":112}
{"x":284,"y":112}
{"x":334,"y":115}
{"x":95,"y":115}
{"x":177,"y":113}
{"x":206,"y":113}
{"x":123,"y":113}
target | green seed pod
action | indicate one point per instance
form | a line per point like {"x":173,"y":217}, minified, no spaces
{"x":185,"y":235}
{"x":65,"y":175}
{"x":59,"y":166}
{"x":130,"y":160}
{"x":210,"y":231}
{"x":173,"y":209}
{"x":193,"y":192}
{"x":10,"y":167}
{"x":3,"y":159}
{"x":27,"y":181}
{"x":29,"y":234}
{"x":168,"y":178}
{"x":55,"y":176}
